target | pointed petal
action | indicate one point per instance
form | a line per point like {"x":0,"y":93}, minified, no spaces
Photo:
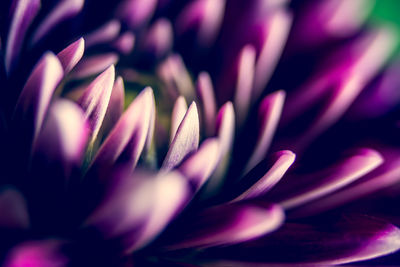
{"x":127,"y":139}
{"x":22,"y":16}
{"x":225,"y":125}
{"x":269,"y":113}
{"x":71,"y":55}
{"x":244,"y":83}
{"x":229,"y":224}
{"x":202,"y":16}
{"x":205,"y":93}
{"x":159,"y":38}
{"x":140,"y":207}
{"x":36,"y":95}
{"x":332,"y":179}
{"x":13,"y":210}
{"x":89,"y":66}
{"x":64,"y":135}
{"x":201,"y":164}
{"x":186,"y":139}
{"x":274,"y":174}
{"x":351,"y":239}
{"x":94,"y":100}
{"x":178,"y":113}
{"x":103,"y":34}
{"x":37,"y":253}
{"x":124,"y":43}
{"x":136,"y":12}
{"x":64,"y":10}
{"x":115,"y":106}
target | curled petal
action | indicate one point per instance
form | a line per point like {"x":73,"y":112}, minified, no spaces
{"x":71,"y":55}
{"x":13,"y":210}
{"x":104,"y":34}
{"x":205,"y":93}
{"x":93,"y":65}
{"x":229,"y":224}
{"x":22,"y":16}
{"x":310,"y":187}
{"x":200,"y":165}
{"x":178,"y":113}
{"x":186,"y":139}
{"x":269,"y":112}
{"x":127,"y":139}
{"x":136,"y":12}
{"x":64,"y":10}
{"x":95,"y":99}
{"x":351,"y":239}
{"x":36,"y":95}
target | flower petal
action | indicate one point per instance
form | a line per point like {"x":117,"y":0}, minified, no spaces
{"x":310,"y":187}
{"x":64,"y":10}
{"x":13,"y":210}
{"x":136,"y":12}
{"x":186,"y":139}
{"x":158,"y":40}
{"x":127,"y":139}
{"x":22,"y":16}
{"x":94,"y":100}
{"x":178,"y":113}
{"x":124,"y":43}
{"x":103,"y":34}
{"x":71,"y":55}
{"x":351,"y":239}
{"x":92,"y":65}
{"x":228,"y":224}
{"x":269,"y":113}
{"x":36,"y":95}
{"x":205,"y":93}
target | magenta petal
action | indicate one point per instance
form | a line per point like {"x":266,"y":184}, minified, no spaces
{"x":269,"y":113}
{"x":349,"y":239}
{"x":13,"y":210}
{"x":229,"y":224}
{"x":205,"y":93}
{"x":71,"y":55}
{"x":36,"y":95}
{"x":64,"y":135}
{"x":186,"y":139}
{"x":140,"y":207}
{"x":94,"y":100}
{"x":310,"y":187}
{"x":202,"y":16}
{"x":124,"y":43}
{"x":200,"y":165}
{"x":115,"y":106}
{"x":104,"y":34}
{"x":128,"y":137}
{"x":159,"y":38}
{"x":93,"y":65}
{"x":22,"y":16}
{"x":273,"y":175}
{"x":225,"y":125}
{"x":178,"y":113}
{"x":64,"y":10}
{"x":136,"y":12}
{"x":43,"y":253}
{"x":244,"y":83}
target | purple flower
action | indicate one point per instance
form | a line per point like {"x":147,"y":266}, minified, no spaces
{"x":206,"y":132}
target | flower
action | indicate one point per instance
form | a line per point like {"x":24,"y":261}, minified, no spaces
{"x":87,"y":182}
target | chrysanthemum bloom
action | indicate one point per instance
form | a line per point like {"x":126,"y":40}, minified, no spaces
{"x":87,"y":182}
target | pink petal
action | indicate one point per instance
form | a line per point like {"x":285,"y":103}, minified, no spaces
{"x":22,"y":16}
{"x":186,"y":139}
{"x":64,"y":10}
{"x":38,"y":90}
{"x":71,"y":55}
{"x":178,"y":113}
{"x":103,"y":34}
{"x":269,"y":113}
{"x":13,"y":210}
{"x":92,"y":65}
{"x":125,"y":43}
{"x":94,"y":100}
{"x":158,"y":40}
{"x":136,"y":12}
{"x":205,"y":93}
